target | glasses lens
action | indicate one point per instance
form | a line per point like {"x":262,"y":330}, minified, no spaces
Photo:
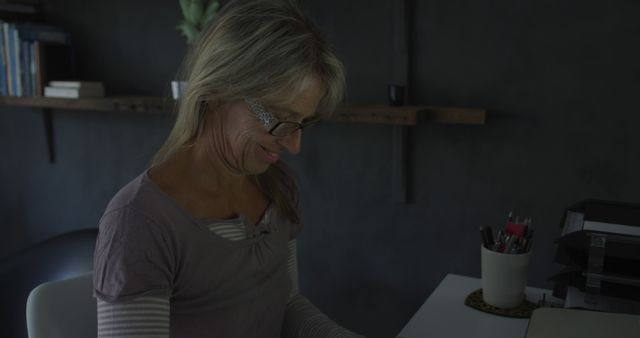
{"x":285,"y":129}
{"x":311,"y":121}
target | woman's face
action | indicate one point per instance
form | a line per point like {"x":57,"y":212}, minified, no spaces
{"x":248,"y":146}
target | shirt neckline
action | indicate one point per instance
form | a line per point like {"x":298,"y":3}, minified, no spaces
{"x":202,"y":224}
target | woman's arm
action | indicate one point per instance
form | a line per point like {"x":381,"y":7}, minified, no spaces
{"x":302,"y":318}
{"x":149,"y":316}
{"x":132,"y":276}
{"x":140,"y":317}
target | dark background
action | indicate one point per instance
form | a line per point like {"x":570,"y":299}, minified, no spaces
{"x":560,"y":80}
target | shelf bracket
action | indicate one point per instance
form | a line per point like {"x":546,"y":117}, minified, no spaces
{"x":47,"y":115}
{"x":400,"y":156}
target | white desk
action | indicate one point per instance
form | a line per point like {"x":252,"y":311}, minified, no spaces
{"x":445,"y":315}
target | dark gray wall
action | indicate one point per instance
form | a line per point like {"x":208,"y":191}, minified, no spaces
{"x":560,"y":80}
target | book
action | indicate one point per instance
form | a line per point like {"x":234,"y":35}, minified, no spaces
{"x":39,"y":32}
{"x":31,"y":54}
{"x":75,"y":84}
{"x":4,"y":90}
{"x":48,"y":56}
{"x":603,"y":216}
{"x":6,"y":30}
{"x":73,"y":93}
{"x":16,"y":57}
{"x":24,"y":66}
{"x":11,"y":58}
{"x":33,"y":69}
{"x":38,"y":68}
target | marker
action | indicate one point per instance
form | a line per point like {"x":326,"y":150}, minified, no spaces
{"x":487,"y":237}
{"x":499,"y":243}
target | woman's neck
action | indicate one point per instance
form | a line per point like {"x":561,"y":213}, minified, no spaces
{"x":205,"y":173}
{"x":208,"y":190}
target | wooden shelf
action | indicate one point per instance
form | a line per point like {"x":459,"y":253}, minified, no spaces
{"x":129,"y":103}
{"x":405,"y":115}
{"x":409,"y":115}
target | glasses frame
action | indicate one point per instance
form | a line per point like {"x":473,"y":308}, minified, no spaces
{"x":271,"y":123}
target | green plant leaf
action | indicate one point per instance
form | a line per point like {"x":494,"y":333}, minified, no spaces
{"x":210,"y":12}
{"x":196,"y":12}
{"x":184,"y":6}
{"x":189,"y":31}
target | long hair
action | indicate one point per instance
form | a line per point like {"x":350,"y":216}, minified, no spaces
{"x":257,"y":48}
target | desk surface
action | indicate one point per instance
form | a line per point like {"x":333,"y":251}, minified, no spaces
{"x":445,"y":315}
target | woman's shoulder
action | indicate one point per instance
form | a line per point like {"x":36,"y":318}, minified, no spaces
{"x":138,"y":198}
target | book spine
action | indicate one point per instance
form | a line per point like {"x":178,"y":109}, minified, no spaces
{"x":32,"y":68}
{"x":67,"y":84}
{"x":18,"y":77}
{"x":24,"y":68}
{"x":32,"y":54}
{"x":48,"y":34}
{"x":3,"y":63}
{"x":71,"y":93}
{"x":76,"y":84}
{"x":9,"y":53}
{"x":39,"y":75}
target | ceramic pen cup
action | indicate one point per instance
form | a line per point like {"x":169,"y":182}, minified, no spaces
{"x":504,"y":277}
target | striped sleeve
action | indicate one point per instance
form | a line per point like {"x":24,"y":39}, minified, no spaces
{"x":139,"y":317}
{"x":149,"y":316}
{"x":292,"y":267}
{"x":302,"y":318}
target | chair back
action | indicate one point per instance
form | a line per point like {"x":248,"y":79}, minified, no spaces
{"x":63,"y":309}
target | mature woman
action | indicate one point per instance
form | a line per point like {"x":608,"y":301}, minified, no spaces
{"x":202,"y":244}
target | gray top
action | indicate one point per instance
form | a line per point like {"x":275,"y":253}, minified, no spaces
{"x":149,"y":245}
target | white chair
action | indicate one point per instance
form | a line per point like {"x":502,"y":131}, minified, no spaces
{"x":63,"y":309}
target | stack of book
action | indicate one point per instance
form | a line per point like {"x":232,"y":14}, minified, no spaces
{"x":74,"y":89}
{"x":599,"y":248}
{"x":31,"y":55}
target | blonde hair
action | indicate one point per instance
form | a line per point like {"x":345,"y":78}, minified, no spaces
{"x":256,"y":48}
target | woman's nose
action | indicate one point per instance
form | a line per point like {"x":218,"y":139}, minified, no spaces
{"x":292,"y":142}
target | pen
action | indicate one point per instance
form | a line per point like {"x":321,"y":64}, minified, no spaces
{"x":510,"y":242}
{"x":487,"y":236}
{"x":529,"y":241}
{"x":498,"y":245}
{"x":515,"y":238}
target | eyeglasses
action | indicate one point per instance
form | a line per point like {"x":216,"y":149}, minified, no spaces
{"x":274,"y":126}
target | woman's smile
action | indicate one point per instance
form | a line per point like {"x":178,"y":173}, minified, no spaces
{"x":267,"y":156}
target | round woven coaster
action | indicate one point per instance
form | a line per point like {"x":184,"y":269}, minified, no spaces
{"x":523,"y":310}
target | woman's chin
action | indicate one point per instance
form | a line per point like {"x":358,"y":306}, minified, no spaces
{"x":258,"y":169}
